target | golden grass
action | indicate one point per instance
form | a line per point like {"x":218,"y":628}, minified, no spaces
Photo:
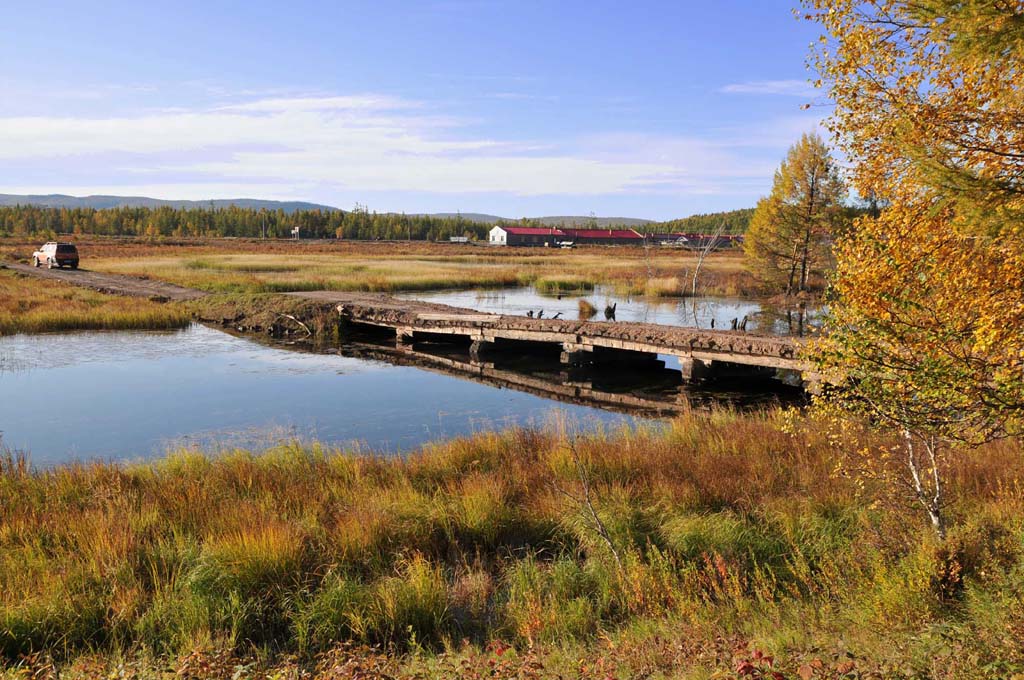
{"x":253,"y":266}
{"x":31,"y":305}
{"x":277,"y":272}
{"x":731,"y":535}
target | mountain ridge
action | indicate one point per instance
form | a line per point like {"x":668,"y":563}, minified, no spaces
{"x":104,"y":201}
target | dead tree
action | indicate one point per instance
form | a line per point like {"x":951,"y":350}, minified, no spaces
{"x":702,"y":253}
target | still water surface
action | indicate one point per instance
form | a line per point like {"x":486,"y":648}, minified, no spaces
{"x":129,"y":395}
{"x":690,"y":313}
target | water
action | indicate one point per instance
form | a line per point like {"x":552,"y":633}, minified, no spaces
{"x":690,"y":313}
{"x":130,"y":395}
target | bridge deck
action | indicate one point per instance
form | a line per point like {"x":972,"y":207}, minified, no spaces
{"x":411,"y":317}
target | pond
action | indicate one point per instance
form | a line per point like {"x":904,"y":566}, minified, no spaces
{"x":689,"y":312}
{"x":131,"y":395}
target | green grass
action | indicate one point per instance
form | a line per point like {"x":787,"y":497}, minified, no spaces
{"x":727,"y":534}
{"x":30,"y":305}
{"x":552,"y":285}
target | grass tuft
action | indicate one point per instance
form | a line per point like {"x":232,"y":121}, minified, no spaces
{"x":30,"y":305}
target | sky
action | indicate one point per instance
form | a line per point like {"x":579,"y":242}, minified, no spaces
{"x":653,"y":109}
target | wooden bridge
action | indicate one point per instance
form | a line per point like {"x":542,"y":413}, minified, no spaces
{"x":702,"y":353}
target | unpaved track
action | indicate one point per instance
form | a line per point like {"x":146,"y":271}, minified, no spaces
{"x":115,"y":284}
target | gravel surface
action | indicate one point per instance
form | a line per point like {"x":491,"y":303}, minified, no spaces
{"x":115,"y":284}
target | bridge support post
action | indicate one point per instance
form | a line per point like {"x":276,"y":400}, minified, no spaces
{"x":480,"y":348}
{"x":576,"y":355}
{"x":694,"y":370}
{"x":403,"y":335}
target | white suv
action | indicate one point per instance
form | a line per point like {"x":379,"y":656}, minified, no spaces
{"x":55,"y":254}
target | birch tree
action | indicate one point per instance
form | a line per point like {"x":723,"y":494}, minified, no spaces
{"x":925,"y":333}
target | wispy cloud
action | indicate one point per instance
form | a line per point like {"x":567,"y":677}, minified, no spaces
{"x":365,"y":102}
{"x":790,"y":88}
{"x":284,"y":146}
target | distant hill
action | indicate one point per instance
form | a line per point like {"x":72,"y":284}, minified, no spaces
{"x":580,"y":221}
{"x":102,"y":202}
{"x":469,"y":217}
{"x":549,"y":221}
{"x":735,"y":221}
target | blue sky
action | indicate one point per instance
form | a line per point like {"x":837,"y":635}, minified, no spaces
{"x":642,"y":109}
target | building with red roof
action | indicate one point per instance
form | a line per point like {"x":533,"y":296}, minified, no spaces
{"x":606,"y":236}
{"x":502,"y":235}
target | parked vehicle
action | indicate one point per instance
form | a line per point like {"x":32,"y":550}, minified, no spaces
{"x":55,"y":254}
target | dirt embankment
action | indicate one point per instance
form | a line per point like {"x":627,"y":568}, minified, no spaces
{"x":115,"y":284}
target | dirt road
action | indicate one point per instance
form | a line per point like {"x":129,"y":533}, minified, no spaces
{"x":115,"y":284}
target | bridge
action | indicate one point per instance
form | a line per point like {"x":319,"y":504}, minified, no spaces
{"x":702,"y":354}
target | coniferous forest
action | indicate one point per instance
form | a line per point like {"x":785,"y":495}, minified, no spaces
{"x":234,"y":221}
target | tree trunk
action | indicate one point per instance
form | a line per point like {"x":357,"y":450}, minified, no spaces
{"x":930,"y":498}
{"x":812,"y":192}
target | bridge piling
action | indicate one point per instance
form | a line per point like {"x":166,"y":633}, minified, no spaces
{"x":694,"y":370}
{"x":479,"y":349}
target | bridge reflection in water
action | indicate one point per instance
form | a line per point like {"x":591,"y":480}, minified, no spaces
{"x":648,"y":389}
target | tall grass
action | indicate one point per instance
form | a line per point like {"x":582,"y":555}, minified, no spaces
{"x":720,"y":534}
{"x":243,"y":267}
{"x":29,"y":305}
{"x":269,"y":273}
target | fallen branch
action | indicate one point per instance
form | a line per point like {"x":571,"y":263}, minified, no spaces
{"x":587,"y":501}
{"x":309,"y":333}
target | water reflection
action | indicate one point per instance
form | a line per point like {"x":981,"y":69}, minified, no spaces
{"x":653,"y":390}
{"x":705,"y":312}
{"x":127,"y":395}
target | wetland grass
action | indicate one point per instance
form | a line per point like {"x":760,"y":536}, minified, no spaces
{"x":30,"y":305}
{"x":568,"y":285}
{"x":721,"y":534}
{"x":249,"y":273}
{"x":253,"y":266}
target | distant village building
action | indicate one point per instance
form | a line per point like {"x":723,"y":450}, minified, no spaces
{"x":606,"y":237}
{"x":695,"y":241}
{"x":501,"y":235}
{"x":525,"y":236}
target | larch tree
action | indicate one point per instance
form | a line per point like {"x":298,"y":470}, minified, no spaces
{"x":791,"y":230}
{"x":926,"y":332}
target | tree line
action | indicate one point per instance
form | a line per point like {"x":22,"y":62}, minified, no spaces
{"x":165,"y":221}
{"x":733,"y":221}
{"x":357,"y":224}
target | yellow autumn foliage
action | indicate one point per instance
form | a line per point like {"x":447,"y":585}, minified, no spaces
{"x":926,"y":334}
